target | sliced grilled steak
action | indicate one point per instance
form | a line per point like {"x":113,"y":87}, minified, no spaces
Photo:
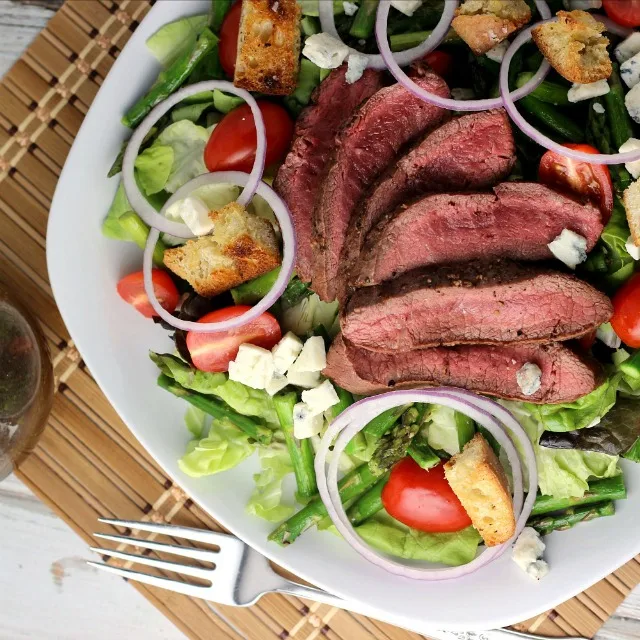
{"x":488,"y":369}
{"x":340,"y":370}
{"x":388,"y":121}
{"x":474,"y":303}
{"x":471,"y":152}
{"x":300,"y":176}
{"x":517,"y":221}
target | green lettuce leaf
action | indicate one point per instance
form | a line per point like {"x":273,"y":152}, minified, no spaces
{"x":196,"y":421}
{"x":192,"y":112}
{"x":173,"y":39}
{"x":562,"y":473}
{"x":309,"y":314}
{"x":154,"y":167}
{"x":224,"y":447}
{"x":215,"y":196}
{"x":244,"y":400}
{"x":390,"y":536}
{"x":585,"y":411}
{"x":266,"y":499}
{"x":449,"y":430}
{"x":225,"y":102}
{"x":111,"y":226}
{"x":187,"y":140}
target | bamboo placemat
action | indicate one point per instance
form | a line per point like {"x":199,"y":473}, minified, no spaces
{"x":87,"y":463}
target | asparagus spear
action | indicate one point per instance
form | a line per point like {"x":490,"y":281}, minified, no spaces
{"x":619,"y":120}
{"x":365,"y":19}
{"x":555,"y":120}
{"x":219,"y":10}
{"x":300,"y":451}
{"x":599,"y":490}
{"x":217,"y":409}
{"x":345,"y":400}
{"x":393,"y":446}
{"x":368,"y":504}
{"x":376,"y":428}
{"x":570,"y":517}
{"x":353,"y":485}
{"x":422,"y":453}
{"x":546,"y":91}
{"x":173,"y":78}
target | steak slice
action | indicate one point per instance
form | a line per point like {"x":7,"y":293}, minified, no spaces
{"x":517,"y":221}
{"x":471,"y":152}
{"x":473,"y":303}
{"x":341,"y":371}
{"x":299,"y":178}
{"x":488,"y":369}
{"x":388,"y":121}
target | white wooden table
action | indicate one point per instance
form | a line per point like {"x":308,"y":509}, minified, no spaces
{"x":46,"y":589}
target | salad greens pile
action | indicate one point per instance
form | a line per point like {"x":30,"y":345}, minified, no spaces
{"x":577,"y":445}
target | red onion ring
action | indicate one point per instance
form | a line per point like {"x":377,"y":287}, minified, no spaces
{"x":286,"y":270}
{"x":135,"y":197}
{"x":484,"y":411}
{"x":532,"y":132}
{"x":613,"y":27}
{"x":429,"y":45}
{"x":403,"y":58}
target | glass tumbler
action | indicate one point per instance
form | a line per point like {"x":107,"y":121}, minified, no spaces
{"x":26,"y":382}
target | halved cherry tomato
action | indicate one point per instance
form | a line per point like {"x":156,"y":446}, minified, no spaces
{"x":131,"y":290}
{"x":440,"y":61}
{"x":591,"y":181}
{"x":624,"y":12}
{"x":626,"y":312}
{"x":214,"y":351}
{"x":423,"y":499}
{"x":232,"y":145}
{"x":228,"y":44}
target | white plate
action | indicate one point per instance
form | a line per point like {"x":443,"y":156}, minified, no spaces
{"x":114,"y":340}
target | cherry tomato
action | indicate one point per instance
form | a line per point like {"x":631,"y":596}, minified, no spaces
{"x":228,"y":44}
{"x":232,"y":145}
{"x":626,"y":312}
{"x":624,"y":12}
{"x":592,"y":181}
{"x":423,"y":499}
{"x":131,"y":290}
{"x":440,"y":61}
{"x":214,"y":351}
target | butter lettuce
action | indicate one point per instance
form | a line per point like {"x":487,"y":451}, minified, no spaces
{"x":584,"y":412}
{"x":266,"y":500}
{"x":390,"y":536}
{"x":449,"y":430}
{"x":243,"y":399}
{"x":154,"y":167}
{"x":563,"y":473}
{"x":173,"y":39}
{"x":224,"y":447}
{"x":187,"y":141}
{"x":196,"y":421}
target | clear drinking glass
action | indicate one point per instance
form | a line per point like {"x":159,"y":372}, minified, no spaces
{"x":26,"y":382}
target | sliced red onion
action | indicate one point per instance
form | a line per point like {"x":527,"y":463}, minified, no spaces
{"x":531,"y":131}
{"x":137,"y":199}
{"x":484,"y":411}
{"x":286,"y":270}
{"x":403,"y":58}
{"x":613,"y":27}
{"x":429,"y":45}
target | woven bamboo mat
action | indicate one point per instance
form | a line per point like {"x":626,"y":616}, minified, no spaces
{"x":87,"y":463}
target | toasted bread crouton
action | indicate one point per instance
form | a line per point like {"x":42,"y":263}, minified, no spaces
{"x":631,"y":199}
{"x":241,"y":247}
{"x":575,"y":46}
{"x":479,"y":481}
{"x":483,"y":24}
{"x":268,"y":46}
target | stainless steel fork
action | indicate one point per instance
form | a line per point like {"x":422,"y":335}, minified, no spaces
{"x":240,"y":575}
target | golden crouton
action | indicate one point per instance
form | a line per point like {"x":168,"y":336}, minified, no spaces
{"x":483,"y":24}
{"x":479,"y":481}
{"x":268,"y":46}
{"x":575,"y":46}
{"x":631,"y":199}
{"x":241,"y":247}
